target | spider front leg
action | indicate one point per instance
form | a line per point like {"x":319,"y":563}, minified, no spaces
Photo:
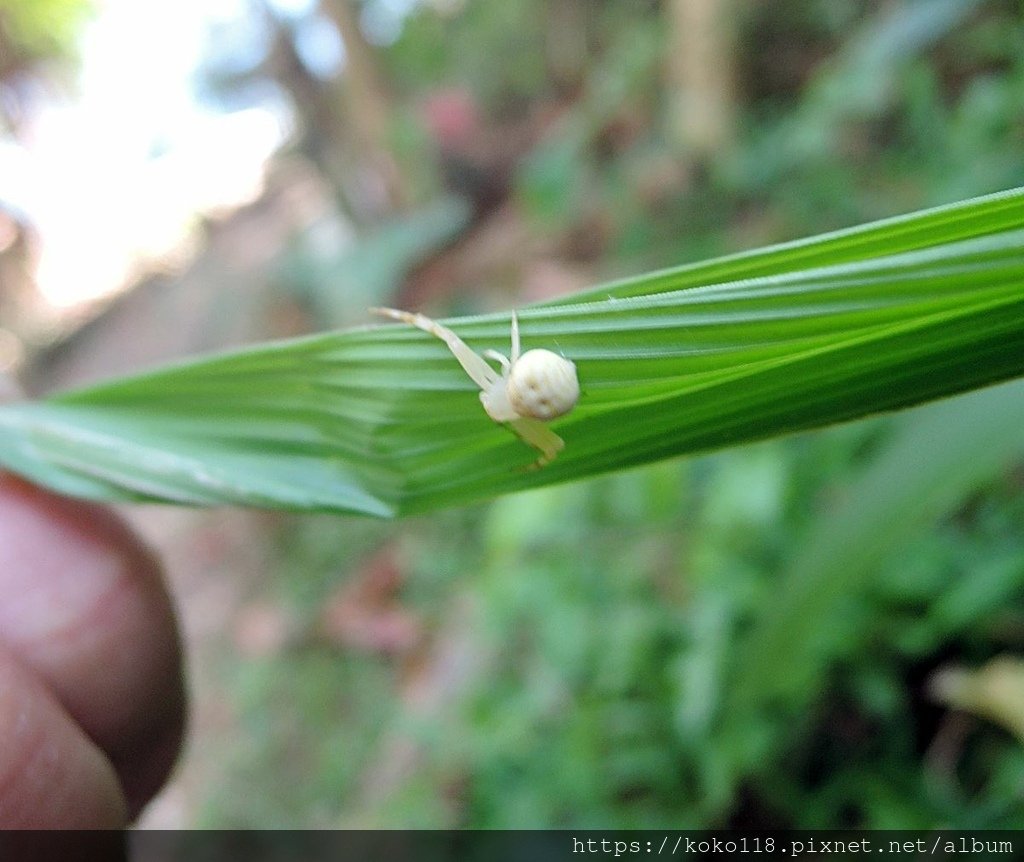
{"x":472,"y":363}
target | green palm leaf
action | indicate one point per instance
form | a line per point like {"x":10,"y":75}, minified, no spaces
{"x":381,"y":420}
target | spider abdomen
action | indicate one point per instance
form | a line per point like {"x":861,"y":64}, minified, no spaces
{"x":542,"y":385}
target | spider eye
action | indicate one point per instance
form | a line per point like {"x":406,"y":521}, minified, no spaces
{"x":543,"y":385}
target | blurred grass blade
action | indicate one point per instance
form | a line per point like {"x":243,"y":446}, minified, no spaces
{"x":929,"y":466}
{"x":381,"y":420}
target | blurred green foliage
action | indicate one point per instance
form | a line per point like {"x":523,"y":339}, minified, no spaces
{"x":819,"y":631}
{"x":774,"y":636}
{"x":799,"y":633}
{"x":600,"y":635}
{"x":37,"y":38}
{"x":852,"y":111}
{"x":41,"y":29}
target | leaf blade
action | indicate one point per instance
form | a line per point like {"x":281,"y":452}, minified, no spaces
{"x":382,"y":420}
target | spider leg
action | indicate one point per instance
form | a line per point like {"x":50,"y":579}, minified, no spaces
{"x":497,"y":357}
{"x":542,"y":438}
{"x":515,"y":338}
{"x":472,"y":363}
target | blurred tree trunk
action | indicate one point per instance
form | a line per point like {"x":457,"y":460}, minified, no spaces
{"x":566,"y":47}
{"x":368,"y":107}
{"x":317,"y":104}
{"x":344,"y":120}
{"x":700,"y":76}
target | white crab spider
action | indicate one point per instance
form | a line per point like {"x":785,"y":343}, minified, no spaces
{"x":532,"y":388}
